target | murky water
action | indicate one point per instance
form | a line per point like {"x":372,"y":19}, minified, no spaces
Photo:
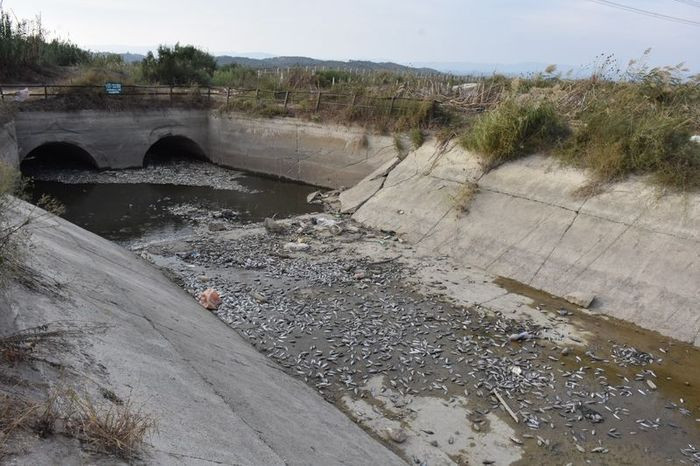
{"x":124,"y":212}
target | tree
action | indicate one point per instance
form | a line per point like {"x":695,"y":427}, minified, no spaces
{"x":179,"y":65}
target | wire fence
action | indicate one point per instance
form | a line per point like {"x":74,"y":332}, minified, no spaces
{"x":307,"y":100}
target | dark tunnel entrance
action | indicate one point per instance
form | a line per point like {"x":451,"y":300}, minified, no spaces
{"x":55,"y":155}
{"x":173,"y":149}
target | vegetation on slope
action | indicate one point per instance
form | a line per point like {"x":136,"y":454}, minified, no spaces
{"x":26,"y":51}
{"x":615,"y":123}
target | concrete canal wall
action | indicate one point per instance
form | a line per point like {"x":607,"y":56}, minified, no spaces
{"x":635,"y":249}
{"x":9,"y":153}
{"x":324,"y":155}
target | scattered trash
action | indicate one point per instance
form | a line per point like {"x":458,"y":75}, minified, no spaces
{"x":210,"y":299}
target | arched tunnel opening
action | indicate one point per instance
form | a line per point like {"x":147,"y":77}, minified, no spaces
{"x":173,"y":149}
{"x":57,"y":155}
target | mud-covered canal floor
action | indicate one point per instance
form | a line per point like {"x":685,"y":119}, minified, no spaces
{"x":443,"y":363}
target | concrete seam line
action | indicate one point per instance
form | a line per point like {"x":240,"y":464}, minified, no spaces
{"x":650,"y":230}
{"x":598,"y":256}
{"x":554,"y":248}
{"x":431,"y":229}
{"x":211,"y":386}
{"x":512,"y":245}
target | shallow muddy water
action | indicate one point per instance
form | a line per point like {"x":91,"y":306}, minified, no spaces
{"x":124,"y":212}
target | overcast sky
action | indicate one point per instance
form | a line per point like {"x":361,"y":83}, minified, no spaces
{"x":405,"y":31}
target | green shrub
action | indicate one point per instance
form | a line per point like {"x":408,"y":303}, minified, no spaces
{"x":417,"y":137}
{"x":25,"y":49}
{"x":514,"y":129}
{"x":623,"y":135}
{"x":180,"y":65}
{"x":235,"y":76}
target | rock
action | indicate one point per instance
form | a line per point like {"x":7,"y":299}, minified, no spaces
{"x":313,"y":197}
{"x":359,"y":275}
{"x":580,"y":299}
{"x":565,"y":352}
{"x":434,"y":443}
{"x":217,"y":226}
{"x":271,"y":226}
{"x":210,"y":299}
{"x":229,"y":214}
{"x":397,"y":435}
{"x":296,"y":247}
{"x":651,"y":384}
{"x":695,"y":138}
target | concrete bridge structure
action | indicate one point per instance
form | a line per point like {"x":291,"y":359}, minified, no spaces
{"x":325,"y":155}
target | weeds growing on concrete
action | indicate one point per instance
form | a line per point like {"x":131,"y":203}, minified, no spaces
{"x":464,"y":197}
{"x":417,"y":137}
{"x":514,"y":129}
{"x":114,"y":429}
{"x":119,"y":430}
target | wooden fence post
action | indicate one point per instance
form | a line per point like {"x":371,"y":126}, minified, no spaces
{"x":391,"y":106}
{"x":2,"y":95}
{"x":46,"y":92}
{"x":352,"y":102}
{"x":228,"y":95}
{"x":171,"y":94}
{"x":257,"y":94}
{"x":318,"y":101}
{"x":209,"y":93}
{"x":286,"y":99}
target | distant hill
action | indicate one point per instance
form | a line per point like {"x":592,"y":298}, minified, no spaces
{"x":260,"y":61}
{"x":284,"y":62}
{"x":132,"y":57}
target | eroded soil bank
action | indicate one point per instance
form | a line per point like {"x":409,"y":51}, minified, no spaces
{"x":443,"y":363}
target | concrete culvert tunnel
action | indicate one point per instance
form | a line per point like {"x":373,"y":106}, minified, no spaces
{"x":54,"y":155}
{"x":173,"y":149}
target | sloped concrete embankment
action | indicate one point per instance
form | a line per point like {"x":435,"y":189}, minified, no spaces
{"x":216,"y":399}
{"x":636,"y":250}
{"x":8,"y":144}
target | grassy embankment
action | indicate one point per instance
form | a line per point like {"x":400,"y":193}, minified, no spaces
{"x":613,"y":123}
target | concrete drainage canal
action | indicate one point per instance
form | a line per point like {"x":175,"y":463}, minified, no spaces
{"x":386,"y":335}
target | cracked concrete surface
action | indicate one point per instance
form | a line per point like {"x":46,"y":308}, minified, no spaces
{"x":636,"y":249}
{"x":217,"y":400}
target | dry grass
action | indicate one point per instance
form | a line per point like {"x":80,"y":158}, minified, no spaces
{"x":464,"y":197}
{"x":117,"y":429}
{"x":32,"y":343}
{"x":15,"y":414}
{"x":417,"y":138}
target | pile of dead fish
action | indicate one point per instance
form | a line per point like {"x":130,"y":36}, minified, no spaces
{"x":336,"y":322}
